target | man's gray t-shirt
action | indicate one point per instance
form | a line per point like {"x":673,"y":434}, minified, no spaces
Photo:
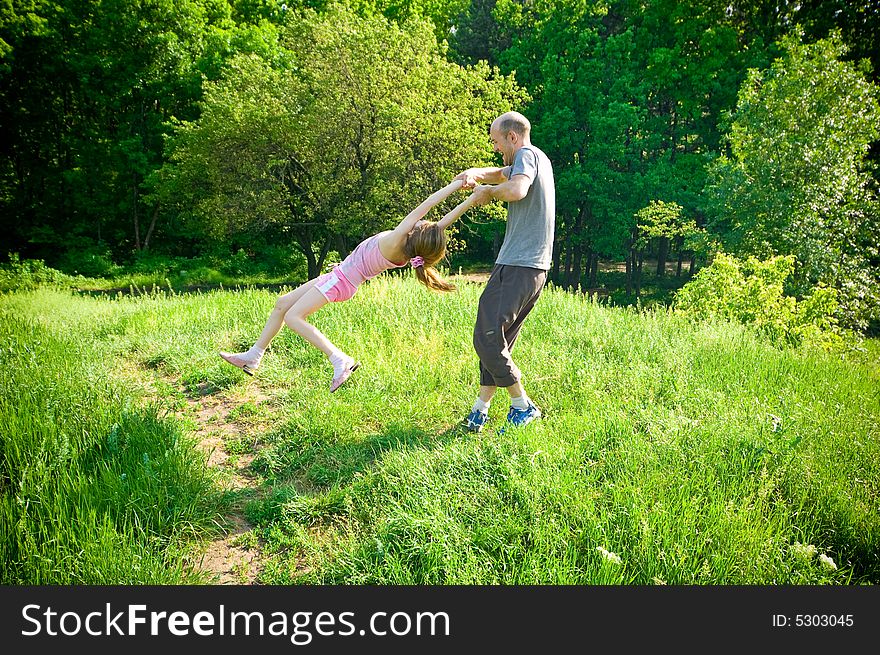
{"x":528,"y":240}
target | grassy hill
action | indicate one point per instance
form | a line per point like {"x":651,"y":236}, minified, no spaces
{"x":670,"y":452}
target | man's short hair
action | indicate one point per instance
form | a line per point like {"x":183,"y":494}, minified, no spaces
{"x":514,"y":121}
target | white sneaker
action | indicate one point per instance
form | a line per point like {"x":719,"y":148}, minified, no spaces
{"x":340,"y":378}
{"x":237,"y":360}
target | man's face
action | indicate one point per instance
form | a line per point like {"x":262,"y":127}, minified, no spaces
{"x":502,"y":143}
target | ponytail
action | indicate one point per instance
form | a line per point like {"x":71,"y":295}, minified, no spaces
{"x":429,"y":276}
{"x":425,"y":247}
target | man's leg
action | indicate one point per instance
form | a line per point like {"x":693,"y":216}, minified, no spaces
{"x":516,"y":391}
{"x":509,"y":296}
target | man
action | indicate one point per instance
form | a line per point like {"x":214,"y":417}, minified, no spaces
{"x":526,"y":183}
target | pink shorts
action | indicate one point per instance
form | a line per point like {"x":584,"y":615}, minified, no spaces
{"x":335,"y":286}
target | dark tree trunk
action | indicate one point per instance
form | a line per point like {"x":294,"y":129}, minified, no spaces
{"x":557,"y":260}
{"x":639,"y":261}
{"x":567,"y":267}
{"x":134,"y":207}
{"x":678,"y":247}
{"x":576,"y":244}
{"x":574,"y":280}
{"x":662,"y":254}
{"x":342,"y":247}
{"x":304,"y":240}
{"x":632,"y":269}
{"x":323,"y":256}
{"x":152,"y":227}
{"x":594,"y":270}
{"x":629,"y":271}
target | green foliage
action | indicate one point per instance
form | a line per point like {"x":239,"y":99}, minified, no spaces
{"x":796,"y":181}
{"x":368,"y":122}
{"x":89,"y":259}
{"x":478,"y":34}
{"x":662,"y":220}
{"x":31,"y":274}
{"x":440,"y":13}
{"x":751,"y":292}
{"x":627,"y":100}
{"x":203,"y":128}
{"x":88,"y":89}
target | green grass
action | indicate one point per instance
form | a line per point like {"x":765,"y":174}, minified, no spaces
{"x":94,"y":488}
{"x":696,"y":453}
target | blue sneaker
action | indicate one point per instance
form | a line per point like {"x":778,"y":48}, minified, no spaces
{"x":520,"y":417}
{"x":475,"y":420}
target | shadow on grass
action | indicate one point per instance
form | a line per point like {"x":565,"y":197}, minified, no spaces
{"x":188,"y":289}
{"x":311,"y":474}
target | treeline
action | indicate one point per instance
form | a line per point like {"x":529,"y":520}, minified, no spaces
{"x":677,"y":129}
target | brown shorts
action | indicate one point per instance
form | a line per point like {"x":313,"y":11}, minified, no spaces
{"x":509,"y":296}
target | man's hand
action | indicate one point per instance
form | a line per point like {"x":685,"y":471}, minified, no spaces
{"x":468,"y":178}
{"x":482,"y":194}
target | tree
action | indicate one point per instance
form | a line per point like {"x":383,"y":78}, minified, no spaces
{"x":88,"y":89}
{"x":659,"y":222}
{"x":363,"y":124}
{"x":751,"y":292}
{"x":476,"y":35}
{"x":795,"y":181}
{"x":857,"y":20}
{"x":627,"y":96}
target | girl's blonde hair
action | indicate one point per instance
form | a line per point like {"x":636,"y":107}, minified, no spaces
{"x":428,"y":241}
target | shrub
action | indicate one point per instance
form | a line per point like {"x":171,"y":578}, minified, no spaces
{"x":32,"y":273}
{"x":750,"y":291}
{"x":89,"y":259}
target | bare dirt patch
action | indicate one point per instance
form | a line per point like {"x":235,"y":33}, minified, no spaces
{"x":233,"y":558}
{"x":222,"y":431}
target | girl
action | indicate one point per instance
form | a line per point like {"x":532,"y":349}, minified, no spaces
{"x":421,"y":243}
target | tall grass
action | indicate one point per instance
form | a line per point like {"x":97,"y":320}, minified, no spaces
{"x":670,"y":452}
{"x":94,"y":489}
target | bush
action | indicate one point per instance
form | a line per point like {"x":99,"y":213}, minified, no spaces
{"x":89,"y":259}
{"x":32,"y":273}
{"x":751,"y":292}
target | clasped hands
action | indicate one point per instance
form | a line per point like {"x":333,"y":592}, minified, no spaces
{"x":482,"y":193}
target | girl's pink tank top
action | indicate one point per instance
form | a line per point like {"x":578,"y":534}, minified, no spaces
{"x":366,"y":261}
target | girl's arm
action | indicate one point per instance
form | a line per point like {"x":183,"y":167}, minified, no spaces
{"x":460,"y":209}
{"x":417,"y":214}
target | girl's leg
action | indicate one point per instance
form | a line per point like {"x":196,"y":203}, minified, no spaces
{"x":295,"y":318}
{"x":276,"y":318}
{"x":249,"y":360}
{"x":313,"y":300}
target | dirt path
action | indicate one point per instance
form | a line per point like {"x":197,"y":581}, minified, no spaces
{"x":234,"y":557}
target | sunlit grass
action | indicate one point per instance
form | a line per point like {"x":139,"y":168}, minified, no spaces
{"x":693,"y":454}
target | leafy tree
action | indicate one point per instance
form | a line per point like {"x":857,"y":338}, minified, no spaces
{"x":476,"y":34}
{"x":627,"y":99}
{"x":87,"y":91}
{"x":657,"y":222}
{"x":795,"y":180}
{"x":857,"y":20}
{"x":367,"y":120}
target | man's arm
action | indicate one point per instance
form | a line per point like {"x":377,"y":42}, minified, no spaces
{"x":514,"y":189}
{"x":473,"y":176}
